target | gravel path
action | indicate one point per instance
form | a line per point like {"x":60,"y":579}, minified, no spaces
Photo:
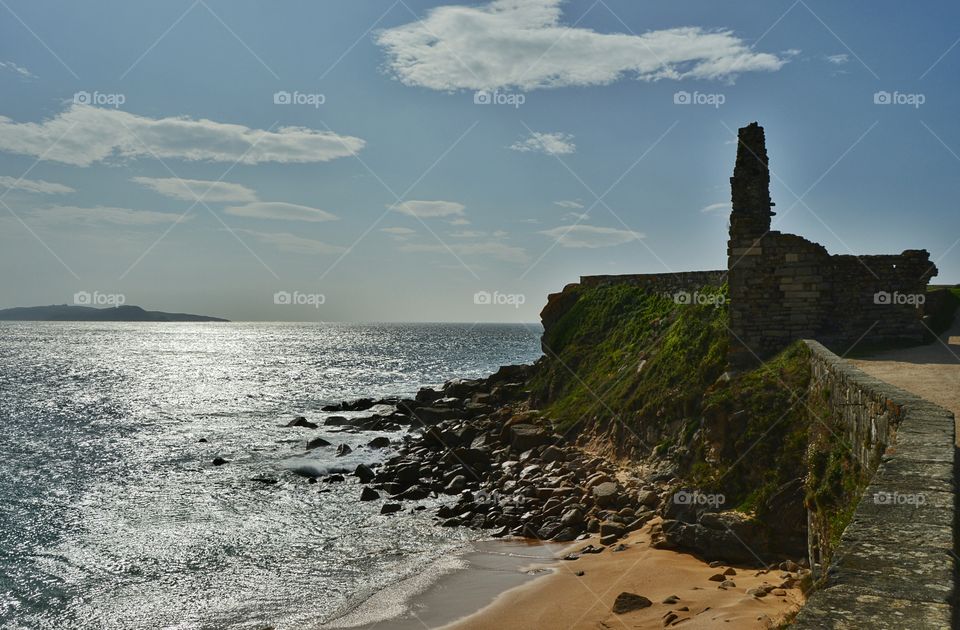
{"x":931,"y":371}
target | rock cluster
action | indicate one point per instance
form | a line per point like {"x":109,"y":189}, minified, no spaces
{"x":475,"y":441}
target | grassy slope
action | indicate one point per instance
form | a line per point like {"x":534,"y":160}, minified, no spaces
{"x":620,"y":352}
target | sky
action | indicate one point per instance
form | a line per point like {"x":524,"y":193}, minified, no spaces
{"x":360,"y":160}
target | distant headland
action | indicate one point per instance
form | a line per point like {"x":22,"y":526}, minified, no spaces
{"x":68,"y":313}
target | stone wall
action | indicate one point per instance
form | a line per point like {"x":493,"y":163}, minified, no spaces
{"x":894,"y":566}
{"x":662,"y":282}
{"x":783,"y":287}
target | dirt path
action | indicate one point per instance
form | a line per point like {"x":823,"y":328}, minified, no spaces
{"x":931,"y":371}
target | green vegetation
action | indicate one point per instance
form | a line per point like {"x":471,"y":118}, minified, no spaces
{"x":620,"y":352}
{"x":835,"y":481}
{"x":623,"y":352}
{"x":757,"y":429}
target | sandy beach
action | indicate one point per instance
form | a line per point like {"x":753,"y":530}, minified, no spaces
{"x":515,"y":584}
{"x":564,"y":599}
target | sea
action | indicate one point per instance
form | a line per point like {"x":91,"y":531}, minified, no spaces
{"x":112,"y":514}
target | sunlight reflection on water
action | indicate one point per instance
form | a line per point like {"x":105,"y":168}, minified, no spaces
{"x":113,"y":516}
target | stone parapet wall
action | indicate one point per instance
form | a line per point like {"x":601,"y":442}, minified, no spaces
{"x":662,"y":282}
{"x":894,"y":566}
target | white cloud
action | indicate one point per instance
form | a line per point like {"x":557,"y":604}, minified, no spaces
{"x":838,"y":60}
{"x":459,"y":221}
{"x":499,"y":251}
{"x":522,"y":44}
{"x":34,"y":186}
{"x":429,"y":209}
{"x":280,"y":210}
{"x":568,"y":203}
{"x":399,"y":233}
{"x":580,"y":236}
{"x":104,"y":214}
{"x":717,"y":207}
{"x":83,"y":135}
{"x":287,"y":242}
{"x":193,"y":189}
{"x":549,"y":143}
{"x":467,"y":234}
{"x":20,"y":70}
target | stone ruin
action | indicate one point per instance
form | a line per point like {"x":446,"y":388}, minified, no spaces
{"x":783,"y":287}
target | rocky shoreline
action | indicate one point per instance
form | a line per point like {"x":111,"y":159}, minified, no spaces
{"x":479,"y":443}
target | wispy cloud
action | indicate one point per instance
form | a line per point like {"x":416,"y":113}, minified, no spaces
{"x":549,"y":143}
{"x":499,"y":251}
{"x":589,"y":236}
{"x":83,"y":135}
{"x":280,"y":210}
{"x":838,"y":60}
{"x":104,"y":214}
{"x":723,"y":206}
{"x":429,"y":209}
{"x":284,"y":241}
{"x":508,"y":43}
{"x":399,"y":233}
{"x":568,"y":203}
{"x":193,"y":189}
{"x":9,"y":66}
{"x":34,"y":186}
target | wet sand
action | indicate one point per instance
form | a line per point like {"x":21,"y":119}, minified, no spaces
{"x":568,"y":601}
{"x":457,"y":587}
{"x":519,"y":585}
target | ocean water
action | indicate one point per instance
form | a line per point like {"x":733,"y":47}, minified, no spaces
{"x":112,"y":515}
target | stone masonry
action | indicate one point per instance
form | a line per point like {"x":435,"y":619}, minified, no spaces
{"x":784,"y":287}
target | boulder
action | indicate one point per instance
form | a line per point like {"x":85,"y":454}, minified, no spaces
{"x":611,"y":528}
{"x":316,"y":443}
{"x":606,"y":494}
{"x":379,"y":442}
{"x":456,"y":485}
{"x":300,"y":421}
{"x":364,"y":473}
{"x":219,"y":461}
{"x":369,"y":494}
{"x":572,"y":517}
{"x":628,"y":602}
{"x":390,"y":508}
{"x":524,"y":437}
{"x":344,"y":449}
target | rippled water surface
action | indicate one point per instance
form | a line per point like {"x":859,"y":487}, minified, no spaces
{"x":112,"y":516}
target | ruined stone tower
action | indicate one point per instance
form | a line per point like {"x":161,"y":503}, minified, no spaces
{"x":783,"y":287}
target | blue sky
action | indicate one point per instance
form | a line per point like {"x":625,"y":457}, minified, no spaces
{"x":391,"y":188}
